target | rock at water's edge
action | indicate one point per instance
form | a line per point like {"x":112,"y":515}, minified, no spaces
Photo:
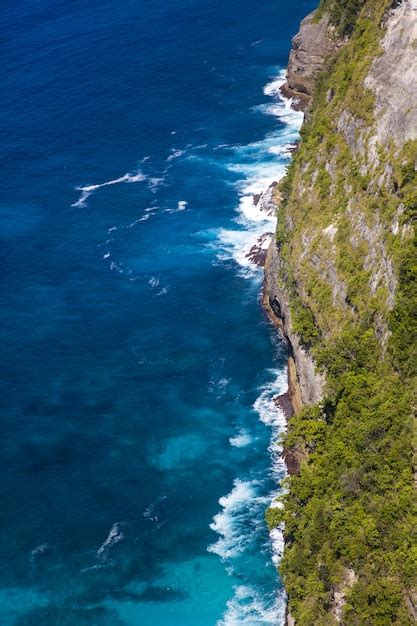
{"x":315,"y":40}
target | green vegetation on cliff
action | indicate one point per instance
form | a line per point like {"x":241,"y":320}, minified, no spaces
{"x":342,"y":14}
{"x":346,"y":232}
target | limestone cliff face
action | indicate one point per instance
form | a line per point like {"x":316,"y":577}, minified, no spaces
{"x":392,"y":77}
{"x":365,"y":146}
{"x":309,"y":382}
{"x":310,"y":47}
{"x":338,"y":279}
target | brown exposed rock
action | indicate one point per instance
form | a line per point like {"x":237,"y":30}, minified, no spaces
{"x":256,"y":198}
{"x":300,"y":101}
{"x":310,"y":47}
{"x":257,"y":254}
{"x":307,"y":382}
{"x":284,"y":403}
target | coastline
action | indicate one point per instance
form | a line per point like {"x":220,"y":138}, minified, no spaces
{"x":290,"y":402}
{"x":248,"y":245}
{"x":309,"y":48}
{"x":323,"y":305}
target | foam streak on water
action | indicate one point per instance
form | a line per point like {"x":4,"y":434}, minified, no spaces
{"x":88,"y":190}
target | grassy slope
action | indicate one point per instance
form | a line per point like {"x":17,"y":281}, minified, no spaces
{"x":351,"y":507}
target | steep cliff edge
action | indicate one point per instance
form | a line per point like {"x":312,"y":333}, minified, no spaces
{"x":340,"y":278}
{"x":309,"y":381}
{"x":310,"y":47}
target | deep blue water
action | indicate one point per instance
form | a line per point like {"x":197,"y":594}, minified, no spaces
{"x":137,"y":368}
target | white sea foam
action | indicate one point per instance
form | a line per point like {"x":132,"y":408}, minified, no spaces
{"x":236,"y":244}
{"x":116,"y":267}
{"x":247,"y":608}
{"x":155,"y":183}
{"x":277,"y":536}
{"x":261,"y":164}
{"x":265,"y":405}
{"x":115,"y":536}
{"x":241,"y":440}
{"x":218,"y":385}
{"x":273,"y":88}
{"x":181,"y":206}
{"x":282,"y":108}
{"x":271,"y":415}
{"x":149,"y":512}
{"x":277,"y":540}
{"x":175,"y":154}
{"x":88,"y":190}
{"x":230,"y":522}
{"x":284,"y":150}
{"x":153,"y":281}
{"x":283,"y":105}
{"x":140,"y":219}
{"x":40,"y":550}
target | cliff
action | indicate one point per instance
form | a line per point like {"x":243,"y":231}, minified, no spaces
{"x":340,"y":281}
{"x":310,"y":47}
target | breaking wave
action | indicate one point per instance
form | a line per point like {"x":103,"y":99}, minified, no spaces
{"x":261,"y":164}
{"x":248,"y":608}
{"x":230,"y":523}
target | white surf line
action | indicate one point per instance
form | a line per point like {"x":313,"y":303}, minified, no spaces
{"x":259,"y":174}
{"x":229,"y":522}
{"x":88,"y":190}
{"x":246,"y":607}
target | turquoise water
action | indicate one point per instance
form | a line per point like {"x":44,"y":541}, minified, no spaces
{"x":138,"y":370}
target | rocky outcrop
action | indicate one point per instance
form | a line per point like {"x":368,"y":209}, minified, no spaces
{"x":307,"y":384}
{"x":310,"y":47}
{"x":392,"y":77}
{"x":339,"y":594}
{"x":257,"y":253}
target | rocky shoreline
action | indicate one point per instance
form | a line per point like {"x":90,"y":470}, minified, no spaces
{"x":317,"y":294}
{"x":310,"y":47}
{"x":314,"y":42}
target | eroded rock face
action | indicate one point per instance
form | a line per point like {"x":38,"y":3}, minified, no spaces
{"x":339,"y":593}
{"x":392,"y":77}
{"x":310,"y":47}
{"x":310,"y":381}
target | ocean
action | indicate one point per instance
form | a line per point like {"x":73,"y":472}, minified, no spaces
{"x":138,"y":433}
